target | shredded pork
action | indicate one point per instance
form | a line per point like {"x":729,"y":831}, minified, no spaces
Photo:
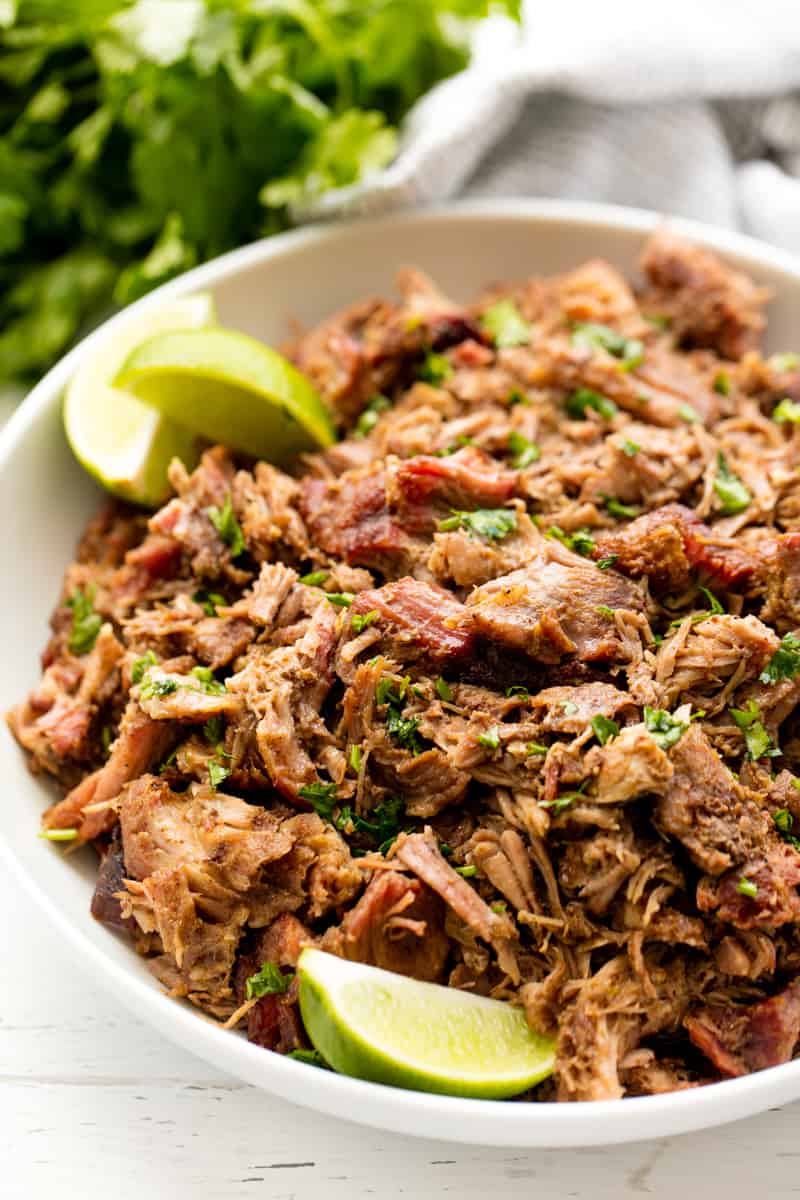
{"x":500,"y":692}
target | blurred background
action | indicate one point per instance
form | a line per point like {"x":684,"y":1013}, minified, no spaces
{"x":140,"y":138}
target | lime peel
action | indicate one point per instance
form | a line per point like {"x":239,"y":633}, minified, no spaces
{"x":373,"y":1024}
{"x":230,"y":388}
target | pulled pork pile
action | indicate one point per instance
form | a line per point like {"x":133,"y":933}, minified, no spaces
{"x":499,"y":692}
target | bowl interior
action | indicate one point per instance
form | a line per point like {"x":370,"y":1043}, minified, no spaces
{"x":46,"y":499}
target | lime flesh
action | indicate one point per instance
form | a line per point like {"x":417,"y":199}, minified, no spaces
{"x":376,"y":1025}
{"x":230,"y":388}
{"x":124,"y":444}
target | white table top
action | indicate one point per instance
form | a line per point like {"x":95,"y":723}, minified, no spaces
{"x":93,"y":1103}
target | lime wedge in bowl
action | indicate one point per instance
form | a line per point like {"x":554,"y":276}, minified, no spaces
{"x":229,"y":388}
{"x":375,"y":1025}
{"x":124,"y":444}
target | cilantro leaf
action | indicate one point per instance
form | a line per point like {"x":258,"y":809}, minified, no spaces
{"x":491,"y":523}
{"x":217,"y":772}
{"x":269,"y":980}
{"x":321,"y":796}
{"x":370,"y":415}
{"x":664,"y":727}
{"x":604,"y":728}
{"x":224,"y":521}
{"x":435,"y":369}
{"x":523,"y":450}
{"x":732,"y":493}
{"x":360,"y":621}
{"x":86,"y":622}
{"x":785,"y":662}
{"x":506,"y":325}
{"x":786,"y":411}
{"x":490,"y":738}
{"x":584,"y":398}
{"x":581,"y":541}
{"x":594,"y":336}
{"x":140,"y":665}
{"x":757,"y":740}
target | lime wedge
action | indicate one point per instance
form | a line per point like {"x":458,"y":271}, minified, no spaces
{"x":376,"y":1025}
{"x":124,"y":444}
{"x":230,"y":388}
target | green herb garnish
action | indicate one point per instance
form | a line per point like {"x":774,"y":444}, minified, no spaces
{"x":608,"y":561}
{"x":521,"y":693}
{"x":491,"y":523}
{"x":152,"y":689}
{"x":605,"y":610}
{"x":523,"y":450}
{"x":746,"y":887}
{"x":360,"y":621}
{"x":785,"y":662}
{"x":225,"y":522}
{"x":604,"y":728}
{"x":630,"y":448}
{"x":733,"y":495}
{"x":217,"y":772}
{"x":594,"y":336}
{"x":443,"y":689}
{"x":722,"y":383}
{"x":615,"y":509}
{"x":58,"y":835}
{"x":314,"y":578}
{"x":435,"y":369}
{"x":787,"y":411}
{"x":758,"y":741}
{"x":214,"y":730}
{"x":581,"y":541}
{"x":506,"y":325}
{"x":583,"y":398}
{"x":140,"y":665}
{"x":340,"y":599}
{"x":370,"y":415}
{"x":354,"y":758}
{"x":321,"y":796}
{"x":468,"y":872}
{"x":269,"y":980}
{"x":86,"y":623}
{"x":491,"y":738}
{"x":535,"y":748}
{"x":666,"y":730}
{"x":689,"y":414}
{"x":208,"y":684}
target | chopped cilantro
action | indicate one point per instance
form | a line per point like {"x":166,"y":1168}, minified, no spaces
{"x":535,"y":748}
{"x":758,"y":741}
{"x":787,"y":411}
{"x":499,"y":907}
{"x":208,"y":684}
{"x":59,"y":835}
{"x":435,"y":369}
{"x":217,"y":772}
{"x":581,"y":541}
{"x":385,"y":691}
{"x":382,"y":825}
{"x":268,"y":981}
{"x":314,"y":578}
{"x":369,"y":417}
{"x":785,"y":362}
{"x":733,"y":495}
{"x":506,"y":325}
{"x":224,"y":521}
{"x":467,"y":872}
{"x":151,"y":688}
{"x":584,"y":398}
{"x":565,"y":800}
{"x":515,"y":396}
{"x":491,"y":738}
{"x":354,"y":758}
{"x":86,"y":622}
{"x":666,"y":730}
{"x":403,"y":729}
{"x":746,"y":887}
{"x":689,"y":414}
{"x":605,"y":610}
{"x":615,"y":509}
{"x":340,"y":599}
{"x":210,"y":601}
{"x":521,"y":693}
{"x":523,"y":450}
{"x":594,"y":336}
{"x":491,"y":523}
{"x":604,"y":728}
{"x":140,"y":665}
{"x":443,"y":689}
{"x":360,"y":621}
{"x":785,"y":662}
{"x":321,"y":796}
{"x":715,"y":607}
{"x":784,"y":823}
{"x":722,"y":383}
{"x":214,"y":729}
{"x":608,"y":561}
{"x":630,"y":448}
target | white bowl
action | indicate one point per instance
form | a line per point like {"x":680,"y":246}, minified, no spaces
{"x":45,"y":499}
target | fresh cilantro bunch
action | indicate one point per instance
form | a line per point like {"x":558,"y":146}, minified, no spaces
{"x":140,"y":138}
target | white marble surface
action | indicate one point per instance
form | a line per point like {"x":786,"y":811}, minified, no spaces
{"x":93,"y":1103}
